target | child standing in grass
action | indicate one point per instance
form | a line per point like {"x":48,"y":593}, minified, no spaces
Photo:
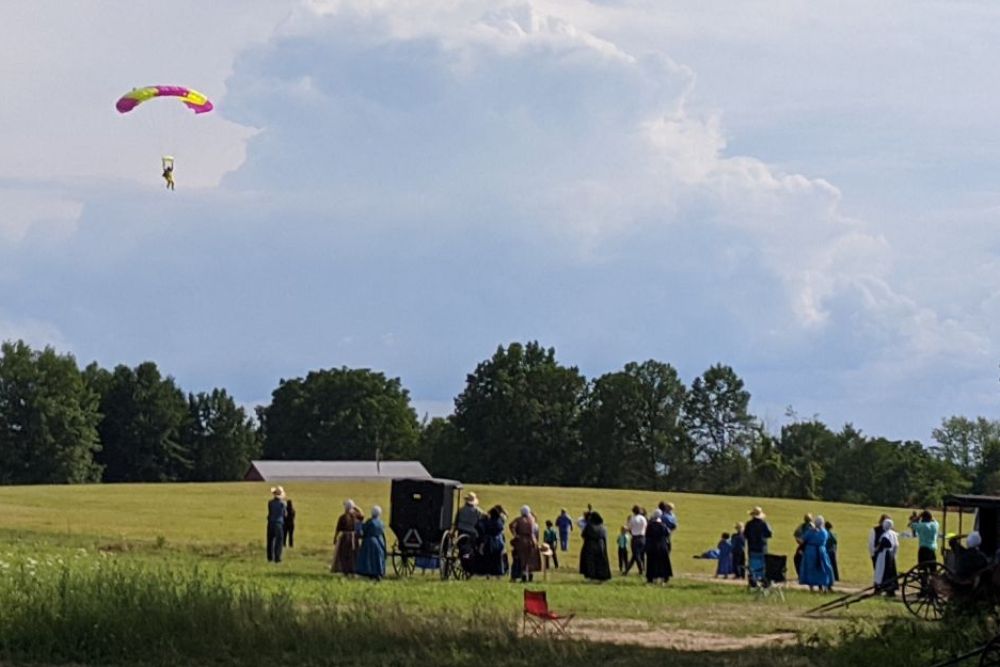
{"x":725,"y":566}
{"x":623,"y":549}
{"x":552,"y":540}
{"x":739,"y":552}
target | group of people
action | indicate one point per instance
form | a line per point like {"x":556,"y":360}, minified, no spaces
{"x":644,"y":542}
{"x":815,"y":556}
{"x":482,"y":543}
{"x":883,"y":547}
{"x":358,"y":544}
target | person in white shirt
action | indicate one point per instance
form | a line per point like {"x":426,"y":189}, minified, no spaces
{"x":637,"y":529}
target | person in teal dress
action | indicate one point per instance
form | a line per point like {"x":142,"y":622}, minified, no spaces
{"x":371,"y":556}
{"x":816,"y":570}
{"x":831,"y":550}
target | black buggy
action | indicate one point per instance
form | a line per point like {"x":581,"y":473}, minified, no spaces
{"x":421,"y":514}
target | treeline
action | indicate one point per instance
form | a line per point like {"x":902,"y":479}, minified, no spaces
{"x":523,"y":418}
{"x":60,"y":424}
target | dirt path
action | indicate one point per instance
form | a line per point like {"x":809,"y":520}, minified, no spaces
{"x":639,"y":633}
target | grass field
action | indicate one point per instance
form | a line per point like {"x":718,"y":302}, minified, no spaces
{"x":215,"y":532}
{"x":220,"y":517}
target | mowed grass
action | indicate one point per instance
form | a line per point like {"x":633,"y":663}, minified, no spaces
{"x":230,"y":518}
{"x":215,"y":532}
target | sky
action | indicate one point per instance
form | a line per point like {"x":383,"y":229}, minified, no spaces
{"x":810,"y":197}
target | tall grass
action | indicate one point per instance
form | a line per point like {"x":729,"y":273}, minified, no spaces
{"x":107,"y":612}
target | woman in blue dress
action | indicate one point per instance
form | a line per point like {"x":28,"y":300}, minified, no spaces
{"x":371,"y":556}
{"x":816,"y":570}
{"x":492,"y":545}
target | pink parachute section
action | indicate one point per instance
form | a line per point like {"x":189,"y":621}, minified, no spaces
{"x":194,"y":100}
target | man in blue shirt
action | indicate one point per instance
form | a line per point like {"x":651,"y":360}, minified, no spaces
{"x":275,"y":524}
{"x":926,"y":532}
{"x":565,"y":524}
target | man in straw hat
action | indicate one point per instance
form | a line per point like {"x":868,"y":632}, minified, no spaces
{"x":467,"y":519}
{"x":757,"y":532}
{"x":275,"y":524}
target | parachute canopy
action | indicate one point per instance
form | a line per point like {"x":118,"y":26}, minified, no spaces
{"x":192,"y":98}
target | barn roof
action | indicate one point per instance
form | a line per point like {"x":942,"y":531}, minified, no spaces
{"x":278,"y":471}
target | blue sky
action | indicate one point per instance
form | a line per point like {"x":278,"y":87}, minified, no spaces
{"x":809,"y":197}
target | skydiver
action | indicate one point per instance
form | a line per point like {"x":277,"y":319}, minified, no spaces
{"x":168,"y":176}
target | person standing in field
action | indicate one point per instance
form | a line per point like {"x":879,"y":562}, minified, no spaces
{"x":637,"y":529}
{"x":491,"y":528}
{"x":371,"y":556}
{"x":886,"y":576}
{"x":623,"y":541}
{"x":345,"y":539}
{"x":594,"y":554}
{"x":289,"y":524}
{"x":926,"y":530}
{"x":275,"y":524}
{"x":724,"y":567}
{"x":831,"y":550}
{"x":669,"y":520}
{"x":874,"y":536}
{"x":657,"y":546}
{"x":816,"y":570}
{"x":757,"y":532}
{"x":565,"y":524}
{"x":525,"y":547}
{"x":551,"y":540}
{"x":799,"y":535}
{"x":739,"y":552}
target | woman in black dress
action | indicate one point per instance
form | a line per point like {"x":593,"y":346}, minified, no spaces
{"x":289,"y":524}
{"x":658,"y":550}
{"x":594,"y":555}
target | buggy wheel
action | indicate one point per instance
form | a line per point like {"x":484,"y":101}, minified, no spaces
{"x":446,"y":556}
{"x":402,"y":564}
{"x":924,"y":591}
{"x":991,"y":654}
{"x":464,"y":548}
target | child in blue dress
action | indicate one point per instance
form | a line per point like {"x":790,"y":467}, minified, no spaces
{"x":725,"y":565}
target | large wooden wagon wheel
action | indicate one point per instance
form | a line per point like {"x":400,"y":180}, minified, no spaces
{"x":402,"y":564}
{"x":925,"y":590}
{"x":446,"y":557}
{"x":991,"y":654}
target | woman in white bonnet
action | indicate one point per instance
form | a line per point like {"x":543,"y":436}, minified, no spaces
{"x":527,"y":559}
{"x":345,"y":538}
{"x":371,"y":555}
{"x":886,"y":549}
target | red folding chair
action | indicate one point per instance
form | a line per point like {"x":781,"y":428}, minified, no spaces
{"x":540,"y":617}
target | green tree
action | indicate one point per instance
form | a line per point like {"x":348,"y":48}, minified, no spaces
{"x":631,"y":430}
{"x":441,"y":449}
{"x":971,"y":446}
{"x":878,"y":471}
{"x":48,"y":418}
{"x":145,"y":417}
{"x":339,"y":414}
{"x":806,"y":448}
{"x":718,"y":422}
{"x":769,"y":472}
{"x":220,"y":438}
{"x":518,"y":418}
